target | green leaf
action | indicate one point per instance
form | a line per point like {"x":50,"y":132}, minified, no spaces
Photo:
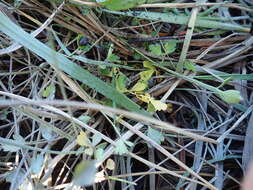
{"x":150,"y":108}
{"x":155,"y":49}
{"x":84,"y":174}
{"x":110,"y":164}
{"x":102,"y":145}
{"x":83,"y":140}
{"x":62,"y":63}
{"x":121,"y":147}
{"x":139,"y":86}
{"x":158,"y":105}
{"x":120,"y":4}
{"x":149,"y":65}
{"x":96,"y":138}
{"x":89,"y":151}
{"x":84,"y":118}
{"x":49,"y":91}
{"x":190,"y":66}
{"x":231,"y":96}
{"x":123,"y":4}
{"x":99,"y":153}
{"x":106,"y":72}
{"x":146,"y":75}
{"x":155,"y":135}
{"x":120,"y":81}
{"x":108,"y":103}
{"x":170,"y":47}
{"x":114,"y":58}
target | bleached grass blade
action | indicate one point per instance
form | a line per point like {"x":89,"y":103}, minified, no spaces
{"x":155,"y":122}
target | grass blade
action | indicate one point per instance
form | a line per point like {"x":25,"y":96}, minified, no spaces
{"x":180,"y":19}
{"x":226,"y":76}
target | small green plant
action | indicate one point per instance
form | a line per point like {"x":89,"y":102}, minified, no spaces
{"x":84,"y":174}
{"x":229,"y":96}
{"x":164,"y":49}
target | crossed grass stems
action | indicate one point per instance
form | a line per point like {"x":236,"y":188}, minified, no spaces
{"x":128,"y":134}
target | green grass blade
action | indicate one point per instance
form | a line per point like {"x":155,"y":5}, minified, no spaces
{"x":61,"y":62}
{"x":226,"y":76}
{"x":180,"y":19}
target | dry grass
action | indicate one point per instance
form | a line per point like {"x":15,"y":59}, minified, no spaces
{"x":198,"y":142}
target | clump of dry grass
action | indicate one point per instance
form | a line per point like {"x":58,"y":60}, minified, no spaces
{"x":70,"y":112}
